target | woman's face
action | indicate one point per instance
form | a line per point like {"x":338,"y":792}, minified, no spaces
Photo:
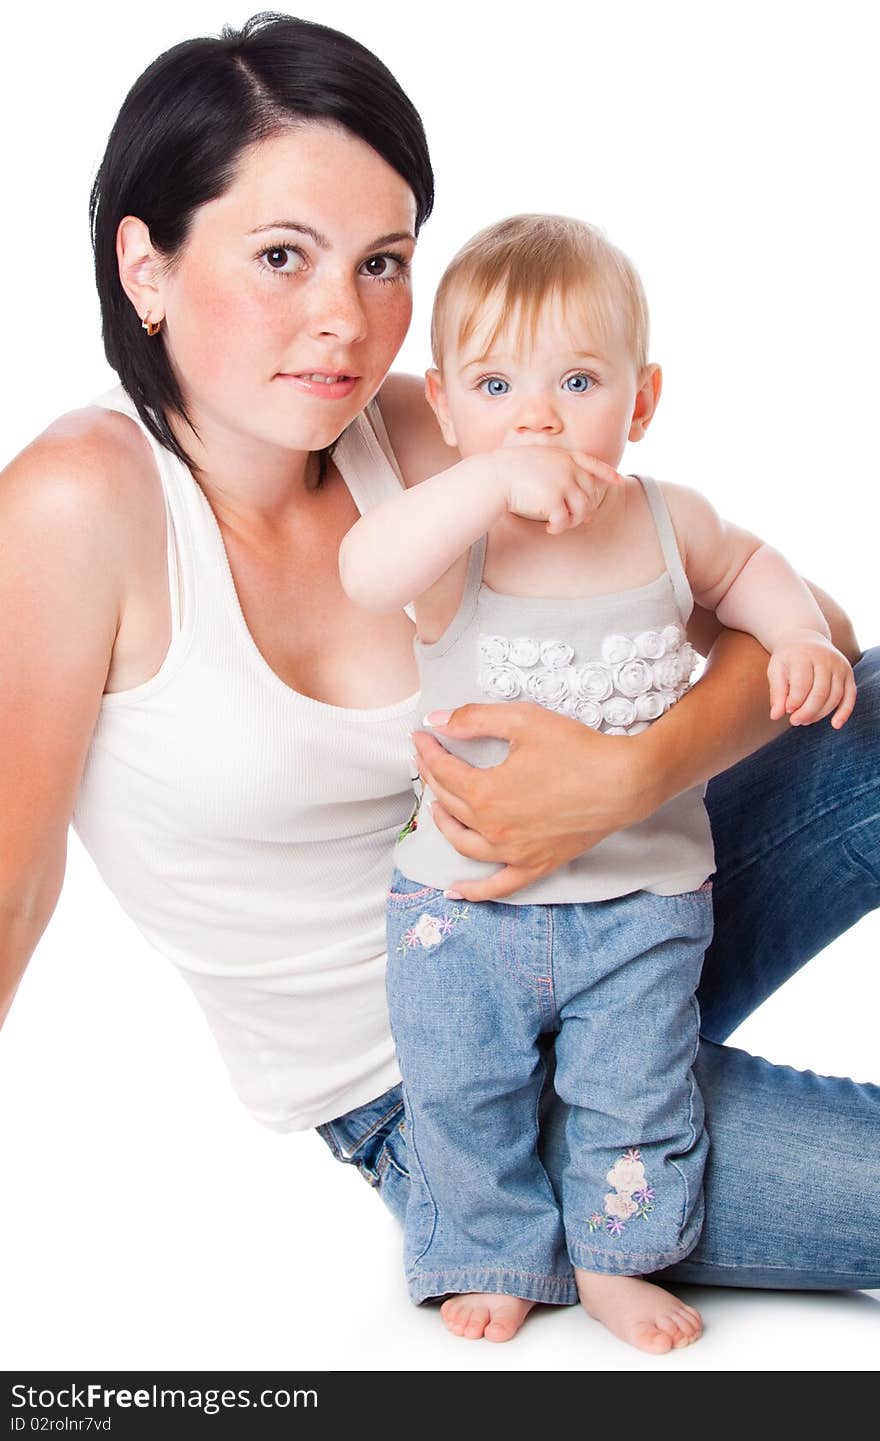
{"x":302,"y":266}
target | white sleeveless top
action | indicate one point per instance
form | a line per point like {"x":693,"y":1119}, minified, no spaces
{"x":248,"y":829}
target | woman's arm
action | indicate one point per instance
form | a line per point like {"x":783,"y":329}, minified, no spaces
{"x":60,"y":591}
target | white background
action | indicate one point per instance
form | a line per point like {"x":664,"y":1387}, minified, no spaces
{"x":146,"y":1220}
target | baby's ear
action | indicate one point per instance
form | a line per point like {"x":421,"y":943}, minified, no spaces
{"x":647,"y":400}
{"x":435,"y":395}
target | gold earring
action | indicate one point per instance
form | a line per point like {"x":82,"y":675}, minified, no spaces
{"x":152,"y":327}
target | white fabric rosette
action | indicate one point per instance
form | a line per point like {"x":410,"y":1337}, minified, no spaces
{"x":666,"y":671}
{"x":548,"y":687}
{"x":493,"y":649}
{"x":502,"y":682}
{"x":650,"y":645}
{"x":668,"y":697}
{"x":619,"y":711}
{"x":556,"y":655}
{"x":687,"y":659}
{"x":633,"y":678}
{"x":588,"y":712}
{"x":650,"y":707}
{"x":637,"y":729}
{"x":615,"y":731}
{"x":592,"y":681}
{"x":672,"y":636}
{"x":618,"y":648}
{"x":524,"y":651}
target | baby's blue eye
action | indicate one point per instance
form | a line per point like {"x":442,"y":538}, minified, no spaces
{"x":493,"y":380}
{"x":579,"y":384}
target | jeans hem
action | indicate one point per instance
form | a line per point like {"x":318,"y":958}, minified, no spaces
{"x":505,"y":1281}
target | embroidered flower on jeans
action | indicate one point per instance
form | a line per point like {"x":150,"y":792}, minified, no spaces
{"x":618,"y":648}
{"x":547,"y":687}
{"x":493,"y":649}
{"x":555,"y":654}
{"x":429,"y":930}
{"x":619,"y":711}
{"x":632,"y":1195}
{"x":627,"y":1175}
{"x":633,"y":678}
{"x":620,"y":1206}
{"x":524,"y":651}
{"x":504,"y":682}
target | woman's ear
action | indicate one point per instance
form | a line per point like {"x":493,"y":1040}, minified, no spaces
{"x":139,"y":268}
{"x":436,"y":398}
{"x":647,"y":398}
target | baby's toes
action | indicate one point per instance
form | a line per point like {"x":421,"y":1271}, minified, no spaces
{"x":681,"y":1328}
{"x":648,"y":1336}
{"x":455,"y":1314}
{"x":477,"y":1321}
{"x":504,"y":1324}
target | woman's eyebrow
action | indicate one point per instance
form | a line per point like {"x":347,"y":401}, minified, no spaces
{"x":322,"y":241}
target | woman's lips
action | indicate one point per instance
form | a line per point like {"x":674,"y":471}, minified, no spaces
{"x":324,"y":390}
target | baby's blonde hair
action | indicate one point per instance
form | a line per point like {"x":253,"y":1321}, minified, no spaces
{"x":525,"y":261}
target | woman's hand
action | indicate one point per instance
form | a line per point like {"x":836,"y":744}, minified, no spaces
{"x":562,"y":788}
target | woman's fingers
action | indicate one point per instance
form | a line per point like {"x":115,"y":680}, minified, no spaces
{"x":466,"y":842}
{"x":448,"y":777}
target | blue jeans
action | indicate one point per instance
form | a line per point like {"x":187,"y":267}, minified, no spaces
{"x":792,"y":1191}
{"x":473,"y":991}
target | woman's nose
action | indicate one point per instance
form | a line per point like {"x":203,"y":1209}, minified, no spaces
{"x":336,"y":311}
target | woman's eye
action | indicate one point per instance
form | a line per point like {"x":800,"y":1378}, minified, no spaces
{"x":494,"y":382}
{"x":392,"y":267}
{"x":276,"y":258}
{"x":579,"y":384}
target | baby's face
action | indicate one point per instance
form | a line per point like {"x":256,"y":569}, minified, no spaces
{"x":570,"y":389}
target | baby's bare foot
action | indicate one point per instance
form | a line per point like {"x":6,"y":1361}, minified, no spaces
{"x":498,"y":1318}
{"x":638,"y":1311}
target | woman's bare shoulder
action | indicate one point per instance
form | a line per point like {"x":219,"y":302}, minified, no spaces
{"x":89,"y":459}
{"x":412,"y":429}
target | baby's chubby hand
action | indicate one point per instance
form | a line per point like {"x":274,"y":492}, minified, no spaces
{"x":545,"y":482}
{"x":810,"y":679}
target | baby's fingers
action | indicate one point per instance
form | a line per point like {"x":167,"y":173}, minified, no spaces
{"x":596,"y":470}
{"x":815,"y":703}
{"x":777,"y":674}
{"x":845,"y":709}
{"x":801,"y":675}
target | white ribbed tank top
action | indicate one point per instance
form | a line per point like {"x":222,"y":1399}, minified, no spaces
{"x":248,"y":829}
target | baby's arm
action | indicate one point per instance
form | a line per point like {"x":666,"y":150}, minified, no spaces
{"x":751,"y":587}
{"x":398,"y":550}
{"x":401,"y":547}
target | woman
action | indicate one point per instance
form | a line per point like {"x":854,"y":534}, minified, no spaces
{"x":234,"y":743}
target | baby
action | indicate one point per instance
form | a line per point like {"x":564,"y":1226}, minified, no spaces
{"x":540,"y":573}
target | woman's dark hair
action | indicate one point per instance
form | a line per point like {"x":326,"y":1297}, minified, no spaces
{"x":178,"y":138}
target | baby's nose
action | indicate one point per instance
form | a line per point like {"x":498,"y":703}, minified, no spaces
{"x":538,"y":413}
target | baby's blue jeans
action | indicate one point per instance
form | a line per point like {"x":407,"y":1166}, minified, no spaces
{"x":792,"y":1179}
{"x":474,"y":993}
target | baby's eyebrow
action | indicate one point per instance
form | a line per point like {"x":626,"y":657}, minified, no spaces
{"x":499,"y":359}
